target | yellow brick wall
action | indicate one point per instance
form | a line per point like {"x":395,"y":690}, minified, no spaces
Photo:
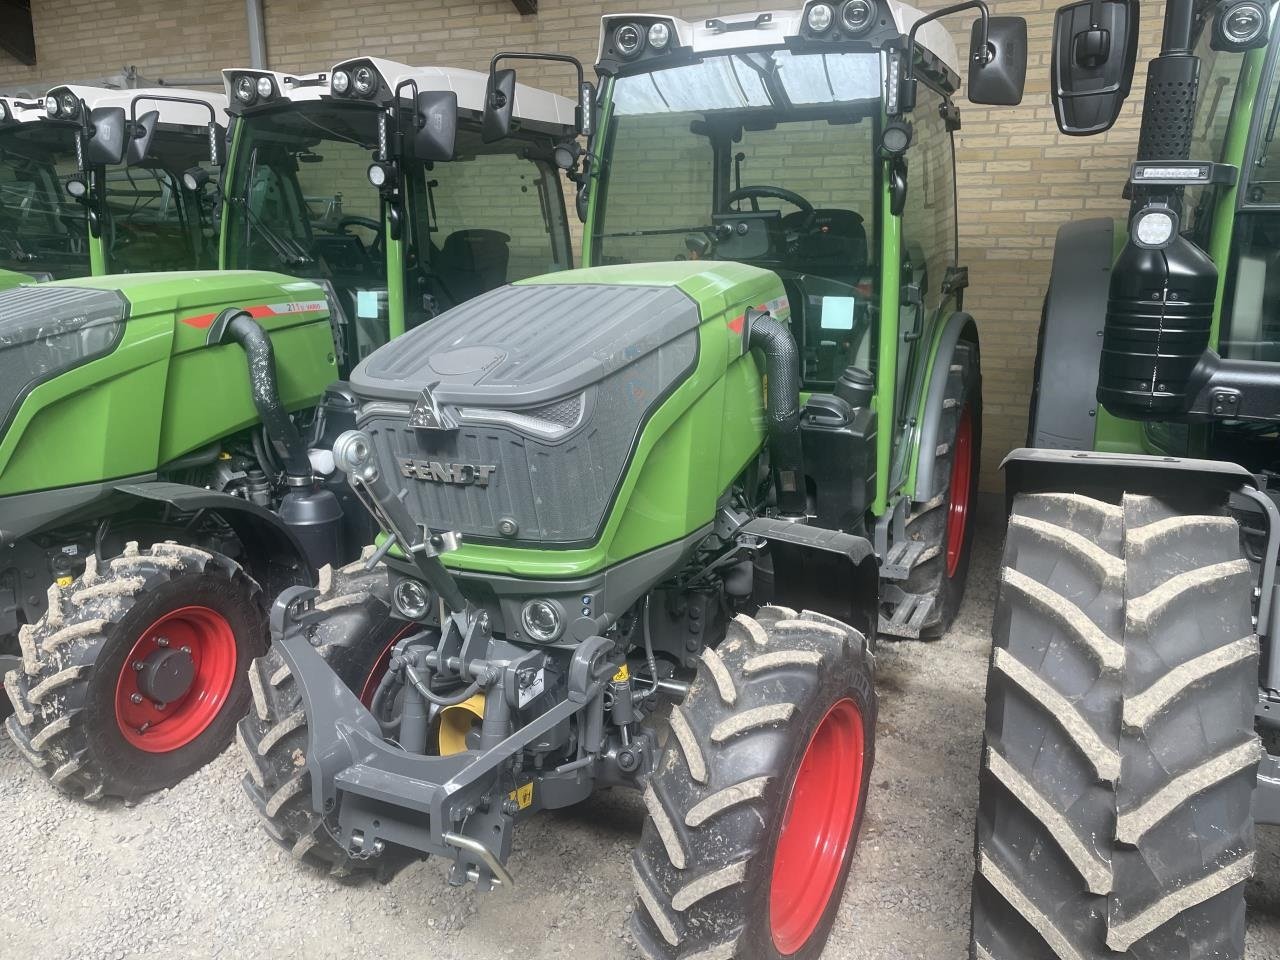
{"x":1018,"y":177}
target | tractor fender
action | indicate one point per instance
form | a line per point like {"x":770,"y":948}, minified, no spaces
{"x":1029,"y":470}
{"x":959,"y":326}
{"x":273,"y":554}
{"x":1064,"y":411}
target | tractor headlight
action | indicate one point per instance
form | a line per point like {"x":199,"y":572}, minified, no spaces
{"x":364,"y":80}
{"x":266,"y":89}
{"x":70,"y":105}
{"x":1239,"y":25}
{"x":820,"y":17}
{"x":412,"y":599}
{"x":542,"y":620}
{"x":378,"y":174}
{"x":194,"y":178}
{"x":340,"y":82}
{"x":76,"y":187}
{"x":246,"y":89}
{"x":51,"y":105}
{"x":1154,"y":226}
{"x":659,"y":36}
{"x":629,"y":39}
{"x":857,"y":16}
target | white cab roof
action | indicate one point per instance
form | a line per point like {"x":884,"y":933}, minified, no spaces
{"x":25,"y":110}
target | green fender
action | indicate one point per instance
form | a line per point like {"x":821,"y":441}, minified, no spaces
{"x":959,"y":326}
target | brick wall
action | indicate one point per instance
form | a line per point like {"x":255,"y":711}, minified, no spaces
{"x":1018,"y":178}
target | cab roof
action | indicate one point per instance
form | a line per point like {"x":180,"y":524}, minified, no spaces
{"x":27,"y":110}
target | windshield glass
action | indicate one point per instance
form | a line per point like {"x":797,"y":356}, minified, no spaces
{"x":1215,"y":97}
{"x":42,"y":229}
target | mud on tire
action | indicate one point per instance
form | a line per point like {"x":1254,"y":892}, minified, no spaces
{"x":720,"y":795}
{"x":355,"y":639}
{"x":65,"y":719}
{"x":1118,"y":771}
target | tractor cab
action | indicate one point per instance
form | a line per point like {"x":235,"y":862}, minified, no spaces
{"x":91,"y":181}
{"x":373,"y":177}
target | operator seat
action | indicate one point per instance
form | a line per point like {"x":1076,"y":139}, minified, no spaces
{"x":474,"y":261}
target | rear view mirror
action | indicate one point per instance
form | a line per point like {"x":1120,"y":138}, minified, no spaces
{"x":436,"y":129}
{"x":998,"y":77}
{"x":499,"y":102}
{"x":144,"y":128}
{"x":1093,"y":62}
{"x":106,"y":140}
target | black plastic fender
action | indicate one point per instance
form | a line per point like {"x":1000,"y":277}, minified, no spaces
{"x":273,"y":554}
{"x":1029,"y":470}
{"x":958,"y":325}
{"x":1064,"y":414}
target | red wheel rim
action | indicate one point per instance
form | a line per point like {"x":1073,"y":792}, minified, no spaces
{"x":817,"y":827}
{"x":958,"y":492}
{"x":371,"y":682}
{"x":156,"y":727}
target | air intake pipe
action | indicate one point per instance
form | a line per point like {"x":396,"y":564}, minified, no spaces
{"x":782,"y":409}
{"x":236,"y":326}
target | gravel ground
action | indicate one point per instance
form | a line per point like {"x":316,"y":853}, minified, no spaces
{"x":188,"y":873}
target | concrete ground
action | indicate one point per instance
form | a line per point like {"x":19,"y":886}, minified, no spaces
{"x":188,"y":873}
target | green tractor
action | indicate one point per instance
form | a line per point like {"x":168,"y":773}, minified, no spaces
{"x":643,"y":522}
{"x":1133,"y":701}
{"x":116,"y":204}
{"x":165,"y":438}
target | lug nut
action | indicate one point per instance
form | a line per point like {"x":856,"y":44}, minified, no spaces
{"x":185,"y":649}
{"x":139,"y":665}
{"x":135,"y":698}
{"x":158,"y":705}
{"x":162,"y":641}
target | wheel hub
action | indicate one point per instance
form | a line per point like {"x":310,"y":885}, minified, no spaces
{"x":166,"y":674}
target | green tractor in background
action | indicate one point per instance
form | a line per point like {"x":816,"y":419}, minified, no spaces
{"x":1133,"y":722}
{"x":610,"y":555}
{"x":116,"y":204}
{"x":164,"y":438}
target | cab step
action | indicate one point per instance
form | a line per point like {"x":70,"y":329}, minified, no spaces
{"x":909,"y":616}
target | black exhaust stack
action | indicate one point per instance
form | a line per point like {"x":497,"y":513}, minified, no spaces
{"x":782,"y":409}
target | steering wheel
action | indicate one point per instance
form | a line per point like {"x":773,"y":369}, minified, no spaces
{"x":755,"y":193}
{"x":369,"y":224}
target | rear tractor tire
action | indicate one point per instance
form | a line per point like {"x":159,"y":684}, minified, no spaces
{"x":355,"y":638}
{"x":1114,"y":816}
{"x":758,"y":798}
{"x":136,"y":675}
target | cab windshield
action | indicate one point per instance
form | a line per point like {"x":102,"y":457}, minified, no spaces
{"x":765,"y":157}
{"x":42,"y":229}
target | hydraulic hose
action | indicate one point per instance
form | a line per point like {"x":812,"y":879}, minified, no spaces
{"x":782,"y":410}
{"x":265,"y":388}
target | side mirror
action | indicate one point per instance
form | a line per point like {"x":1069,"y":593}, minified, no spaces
{"x":998,"y":74}
{"x":140,"y":139}
{"x":436,"y":131}
{"x":499,"y":102}
{"x":1093,"y":61}
{"x":106,"y":140}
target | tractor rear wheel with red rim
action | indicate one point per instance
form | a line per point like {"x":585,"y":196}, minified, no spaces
{"x":757,"y":801}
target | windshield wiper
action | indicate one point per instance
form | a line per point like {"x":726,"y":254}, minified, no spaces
{"x":659,"y":233}
{"x":290,"y":252}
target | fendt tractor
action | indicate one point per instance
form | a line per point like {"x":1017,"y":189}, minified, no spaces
{"x":1133,"y":726}
{"x":611,"y":556}
{"x":164,"y":439}
{"x":78,"y":197}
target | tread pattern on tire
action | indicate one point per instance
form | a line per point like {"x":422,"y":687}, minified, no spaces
{"x":60,"y":649}
{"x":703,"y":839}
{"x":1150,"y":863}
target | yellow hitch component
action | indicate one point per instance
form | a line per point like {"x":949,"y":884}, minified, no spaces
{"x":456,"y":723}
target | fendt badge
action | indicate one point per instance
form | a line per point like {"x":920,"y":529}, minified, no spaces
{"x":461,"y":474}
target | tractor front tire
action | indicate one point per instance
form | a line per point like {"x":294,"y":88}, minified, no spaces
{"x":1114,"y":814}
{"x":136,"y":675}
{"x":758,"y":797}
{"x":355,"y":638}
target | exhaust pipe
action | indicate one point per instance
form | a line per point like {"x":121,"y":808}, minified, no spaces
{"x":782,"y":410}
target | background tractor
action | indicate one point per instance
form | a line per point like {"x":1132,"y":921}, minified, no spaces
{"x":164,"y":438}
{"x":116,"y":205}
{"x":1132,"y":718}
{"x":596,"y":517}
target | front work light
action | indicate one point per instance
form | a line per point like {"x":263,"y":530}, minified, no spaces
{"x":659,"y":36}
{"x":820,"y":17}
{"x":1154,"y":226}
{"x":340,"y":82}
{"x":266,"y":89}
{"x":246,"y":89}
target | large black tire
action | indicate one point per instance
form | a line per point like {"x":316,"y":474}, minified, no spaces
{"x":1114,"y":811}
{"x":722,"y":790}
{"x":65,"y":719}
{"x":928,"y":522}
{"x":355,"y":639}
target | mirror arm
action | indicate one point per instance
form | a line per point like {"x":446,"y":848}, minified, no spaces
{"x":979,"y":5}
{"x":583,"y":121}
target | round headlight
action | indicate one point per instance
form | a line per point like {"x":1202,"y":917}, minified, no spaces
{"x":1244,"y":23}
{"x":246,"y":89}
{"x":659,"y":36}
{"x":266,"y":89}
{"x":364,"y":80}
{"x":541,"y":620}
{"x":412,"y":599}
{"x":1154,"y":227}
{"x":377,"y":174}
{"x":341,"y":82}
{"x":857,"y":16}
{"x":819,"y":17}
{"x":77,"y":188}
{"x":629,"y":39}
{"x":51,"y":105}
{"x":895,"y":138}
{"x":70,"y":105}
{"x":189,"y":181}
